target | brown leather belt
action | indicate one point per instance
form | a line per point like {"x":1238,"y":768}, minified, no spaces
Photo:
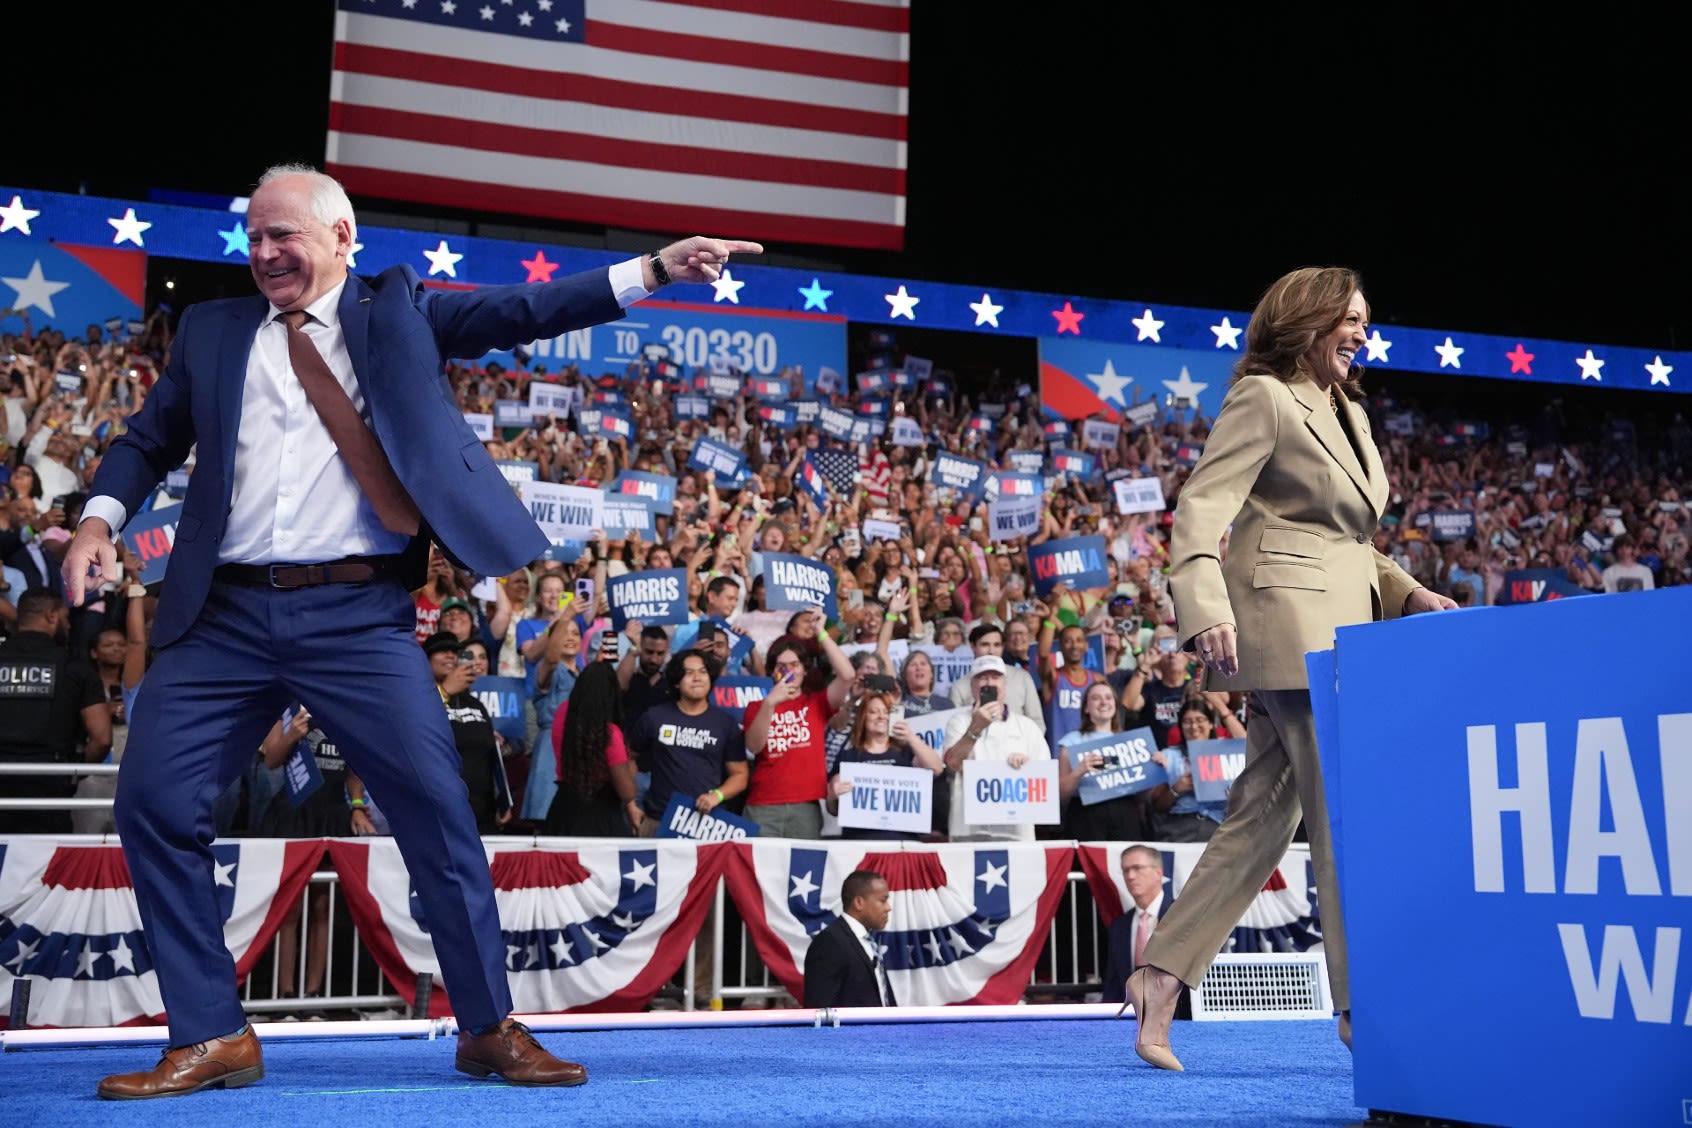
{"x":288,"y":577}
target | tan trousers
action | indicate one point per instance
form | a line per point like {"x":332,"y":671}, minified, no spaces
{"x":1280,"y":783}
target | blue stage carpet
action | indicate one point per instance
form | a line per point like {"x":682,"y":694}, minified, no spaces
{"x":918,"y":1075}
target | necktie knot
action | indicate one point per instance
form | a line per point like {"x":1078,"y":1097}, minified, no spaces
{"x":294,"y":318}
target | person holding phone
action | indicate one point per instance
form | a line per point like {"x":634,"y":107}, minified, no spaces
{"x":1153,"y":699}
{"x":990,"y":731}
{"x":786,"y":737}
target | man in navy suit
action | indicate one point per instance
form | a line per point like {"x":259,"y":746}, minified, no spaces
{"x":285,"y":585}
{"x":843,"y":965}
{"x":1148,"y":900}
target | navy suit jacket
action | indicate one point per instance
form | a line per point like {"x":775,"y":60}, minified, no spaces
{"x":838,"y":972}
{"x":399,"y":335}
{"x":1119,"y":959}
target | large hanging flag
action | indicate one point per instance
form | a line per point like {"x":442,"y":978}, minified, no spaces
{"x":599,"y":925}
{"x":967,"y":924}
{"x":784,"y":123}
{"x":70,"y":924}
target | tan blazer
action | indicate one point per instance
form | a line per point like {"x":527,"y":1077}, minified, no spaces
{"x":1301,"y":560}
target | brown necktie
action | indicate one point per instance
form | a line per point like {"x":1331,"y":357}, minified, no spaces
{"x":359,"y":448}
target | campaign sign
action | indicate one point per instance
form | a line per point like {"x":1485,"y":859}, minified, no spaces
{"x":300,"y":774}
{"x":1128,"y":768}
{"x":1100,"y":434}
{"x":692,"y":407}
{"x":625,"y":515}
{"x":682,"y":820}
{"x":717,"y":457}
{"x":656,"y":596}
{"x":1141,"y":414}
{"x":907,"y":432}
{"x":615,"y":425}
{"x":964,"y":475}
{"x":949,"y":665}
{"x":151,"y":534}
{"x":777,"y":415}
{"x":1055,"y":431}
{"x":807,"y":410}
{"x":1561,"y":843}
{"x":879,"y":408}
{"x":798,"y":583}
{"x":512,"y":413}
{"x":518,"y":470}
{"x":876,"y":529}
{"x":176,"y":482}
{"x":1214,"y":764}
{"x":930,"y":728}
{"x":813,"y":481}
{"x":739,"y":645}
{"x":735,"y":692}
{"x":866,"y":428}
{"x":658,"y":489}
{"x":564,"y":512}
{"x":503,"y":699}
{"x":1013,"y":515}
{"x":1452,"y":524}
{"x":836,"y":424}
{"x":549,"y":399}
{"x":722,"y":385}
{"x":1077,"y":462}
{"x":481,"y":424}
{"x":1027,"y":461}
{"x":1139,"y":495}
{"x":873,"y":381}
{"x":887,"y":798}
{"x":1535,"y":585}
{"x":996,"y":794}
{"x":1076,"y":561}
{"x":767,"y":388}
{"x":587,"y":421}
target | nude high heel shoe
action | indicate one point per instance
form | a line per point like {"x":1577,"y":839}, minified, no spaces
{"x":1154,"y":993}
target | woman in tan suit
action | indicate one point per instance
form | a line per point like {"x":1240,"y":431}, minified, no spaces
{"x":1290,"y":475}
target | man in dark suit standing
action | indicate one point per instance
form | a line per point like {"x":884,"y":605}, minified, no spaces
{"x":843,"y":965}
{"x":330,"y":455}
{"x":1148,"y":900}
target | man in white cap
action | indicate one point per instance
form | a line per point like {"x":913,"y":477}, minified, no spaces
{"x":989,"y":732}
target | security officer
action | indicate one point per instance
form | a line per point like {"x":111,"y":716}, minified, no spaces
{"x":51,"y":711}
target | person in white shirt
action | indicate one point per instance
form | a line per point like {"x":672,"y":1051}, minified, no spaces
{"x":990,"y":732}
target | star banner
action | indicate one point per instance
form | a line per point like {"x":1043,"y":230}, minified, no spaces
{"x":1090,"y":379}
{"x":968,"y":920}
{"x":590,"y":925}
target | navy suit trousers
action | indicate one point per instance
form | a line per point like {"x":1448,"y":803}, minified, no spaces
{"x":348,"y":652}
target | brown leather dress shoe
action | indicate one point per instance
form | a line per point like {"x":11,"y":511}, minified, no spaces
{"x":228,"y":1062}
{"x":510,"y":1051}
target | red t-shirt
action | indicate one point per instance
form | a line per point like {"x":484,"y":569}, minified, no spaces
{"x":790,"y":768}
{"x":428,"y":616}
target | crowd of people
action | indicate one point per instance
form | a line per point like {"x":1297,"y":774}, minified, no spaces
{"x":1590,"y":498}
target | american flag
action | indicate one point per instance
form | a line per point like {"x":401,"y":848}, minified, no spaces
{"x":840,"y":467}
{"x":719,"y":116}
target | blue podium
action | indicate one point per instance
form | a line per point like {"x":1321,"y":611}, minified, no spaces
{"x":1511,"y":795}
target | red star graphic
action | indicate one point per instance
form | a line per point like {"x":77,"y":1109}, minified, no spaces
{"x":1520,"y":360}
{"x":539,"y":269}
{"x":1068,"y":319}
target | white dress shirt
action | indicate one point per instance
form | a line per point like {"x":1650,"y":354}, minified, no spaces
{"x":292,"y":497}
{"x":870,"y":950}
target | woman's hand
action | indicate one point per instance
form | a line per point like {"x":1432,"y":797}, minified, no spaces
{"x":839,"y":786}
{"x":1218,"y":650}
{"x":1425,"y":599}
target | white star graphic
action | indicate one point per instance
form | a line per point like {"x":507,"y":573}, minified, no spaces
{"x":235,"y":240}
{"x":628,"y":922}
{"x":1375,"y":348}
{"x":958,"y":943}
{"x":531,"y":955}
{"x":992,"y":877}
{"x":1659,"y":371}
{"x":1449,"y":354}
{"x":442,"y":260}
{"x":903,"y":304}
{"x":22,"y":955}
{"x":1185,"y":387}
{"x":15,"y":215}
{"x":641,"y":875}
{"x":1591,"y":368}
{"x":352,"y":255}
{"x":128,"y":228}
{"x":221,"y":873}
{"x":512,"y":951}
{"x":123,"y":958}
{"x":933,"y":946}
{"x":35,"y":290}
{"x":803,"y":886}
{"x":1148,"y":327}
{"x":726,"y":287}
{"x":1109,"y":384}
{"x":986,"y":313}
{"x":561,"y":952}
{"x":85,"y":961}
{"x":486,"y":12}
{"x":1227,"y":336}
{"x":593,"y":938}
